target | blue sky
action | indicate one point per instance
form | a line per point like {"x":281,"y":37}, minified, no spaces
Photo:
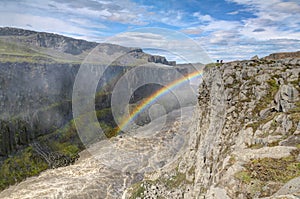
{"x":225,"y":29}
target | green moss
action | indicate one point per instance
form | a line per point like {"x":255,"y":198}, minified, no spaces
{"x":256,"y":146}
{"x":275,"y":143}
{"x":212,"y":65}
{"x":232,"y":160}
{"x":191,"y":171}
{"x":24,"y":164}
{"x":109,"y":131}
{"x":271,"y":169}
{"x":176,"y":180}
{"x":266,"y":100}
{"x":296,"y":109}
{"x":64,"y":141}
{"x":273,"y":85}
{"x":265,"y":176}
{"x":243,"y":176}
{"x":137,"y":190}
{"x":259,"y":122}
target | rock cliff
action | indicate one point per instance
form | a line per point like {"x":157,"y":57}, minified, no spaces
{"x":275,"y":56}
{"x":245,"y":143}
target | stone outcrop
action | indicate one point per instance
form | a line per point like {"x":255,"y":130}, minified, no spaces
{"x":285,"y":98}
{"x":246,"y":141}
{"x":48,"y":40}
{"x":276,"y":56}
{"x":162,"y":60}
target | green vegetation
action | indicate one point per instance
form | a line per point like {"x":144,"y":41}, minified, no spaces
{"x":137,"y":190}
{"x":275,"y":143}
{"x":266,"y":175}
{"x":263,"y":103}
{"x":243,"y":176}
{"x":255,"y":125}
{"x":171,"y":183}
{"x":256,"y":146}
{"x":11,"y":52}
{"x":176,"y":180}
{"x":211,"y":65}
{"x":273,"y":86}
{"x":109,"y":131}
{"x":268,"y":98}
{"x":296,"y":109}
{"x":295,"y":116}
{"x":64,"y":140}
{"x":271,"y":169}
{"x":22,"y":165}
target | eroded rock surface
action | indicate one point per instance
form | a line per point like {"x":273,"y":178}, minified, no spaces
{"x":246,"y":143}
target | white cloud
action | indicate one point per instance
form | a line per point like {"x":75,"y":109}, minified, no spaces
{"x":192,"y":31}
{"x":280,"y":19}
{"x":42,"y":24}
{"x":275,"y":26}
{"x":203,"y":18}
{"x":233,"y":13}
{"x":175,"y":43}
{"x":125,"y":12}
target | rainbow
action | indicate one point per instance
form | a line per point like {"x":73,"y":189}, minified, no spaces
{"x":152,"y":98}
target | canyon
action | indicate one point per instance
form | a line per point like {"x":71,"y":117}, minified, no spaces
{"x":239,"y":137}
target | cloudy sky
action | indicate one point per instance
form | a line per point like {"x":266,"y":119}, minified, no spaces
{"x":225,"y":29}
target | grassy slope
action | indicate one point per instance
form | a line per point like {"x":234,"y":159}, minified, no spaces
{"x":18,"y":52}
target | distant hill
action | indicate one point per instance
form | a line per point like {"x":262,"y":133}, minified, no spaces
{"x":283,"y":55}
{"x":29,"y":46}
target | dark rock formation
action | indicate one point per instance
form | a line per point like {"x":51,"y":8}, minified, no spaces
{"x":48,"y":40}
{"x":283,"y":55}
{"x":35,"y":100}
{"x":160,"y":59}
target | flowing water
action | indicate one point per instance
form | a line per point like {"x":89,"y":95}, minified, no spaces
{"x":108,"y":167}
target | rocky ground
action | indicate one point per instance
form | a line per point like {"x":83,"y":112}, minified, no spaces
{"x":247,"y":142}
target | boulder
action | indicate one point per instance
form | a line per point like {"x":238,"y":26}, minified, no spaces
{"x":255,"y":58}
{"x":285,"y":98}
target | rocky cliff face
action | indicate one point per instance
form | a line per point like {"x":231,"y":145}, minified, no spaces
{"x":245,"y":143}
{"x":248,"y":145}
{"x":35,"y":100}
{"x":38,"y":71}
{"x":276,"y":56}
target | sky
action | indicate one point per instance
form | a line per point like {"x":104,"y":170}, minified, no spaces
{"x":221,"y":29}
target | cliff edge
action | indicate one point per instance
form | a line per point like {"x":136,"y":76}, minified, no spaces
{"x":246,"y":140}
